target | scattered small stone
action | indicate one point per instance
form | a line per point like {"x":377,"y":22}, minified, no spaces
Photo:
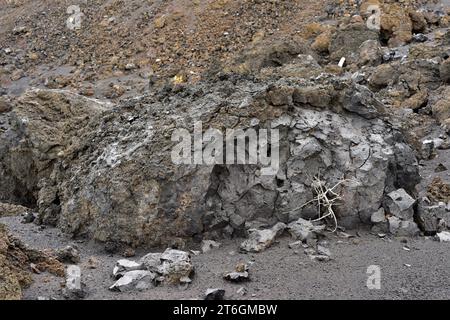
{"x":428,"y":149}
{"x":295,"y":245}
{"x":389,"y":56}
{"x":419,"y":37}
{"x":28,"y":217}
{"x":73,"y":288}
{"x":178,"y":244}
{"x":68,"y":254}
{"x":440,"y":168}
{"x":175,"y":265}
{"x":321,"y":250}
{"x":185,"y":280}
{"x":137,"y":279}
{"x":319,"y":257}
{"x":261,"y":239}
{"x":19,"y":30}
{"x":320,"y":253}
{"x":151,"y":261}
{"x":341,"y":62}
{"x":111,"y":247}
{"x":242,"y":291}
{"x":34,"y":268}
{"x":41,"y":298}
{"x":237,"y":276}
{"x":406,"y":248}
{"x":403,"y":290}
{"x":443,"y":236}
{"x":303,"y":229}
{"x":129,"y":252}
{"x":130,"y":66}
{"x":195,"y":252}
{"x":407,"y":265}
{"x":208,"y":245}
{"x":345,"y":235}
{"x":430,"y":217}
{"x":400,"y":228}
{"x":214,"y":294}
{"x":93,"y":263}
{"x":241,"y":267}
{"x":240,"y":274}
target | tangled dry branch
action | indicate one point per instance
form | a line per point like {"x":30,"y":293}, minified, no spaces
{"x":326,"y":198}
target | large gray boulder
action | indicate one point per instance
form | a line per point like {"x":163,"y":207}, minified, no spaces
{"x":106,"y":171}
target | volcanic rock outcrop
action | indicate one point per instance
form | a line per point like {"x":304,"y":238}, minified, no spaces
{"x":106,"y":171}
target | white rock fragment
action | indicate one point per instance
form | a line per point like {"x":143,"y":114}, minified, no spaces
{"x":259,"y":240}
{"x":443,"y":236}
{"x":400,"y":204}
{"x":137,"y":279}
{"x":73,"y":278}
{"x":242,"y":291}
{"x":123,"y":265}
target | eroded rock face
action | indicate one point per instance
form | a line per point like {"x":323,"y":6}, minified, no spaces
{"x":35,"y":135}
{"x":15,"y":260}
{"x":107,"y":172}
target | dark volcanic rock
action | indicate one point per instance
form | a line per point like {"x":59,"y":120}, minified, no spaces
{"x":107,"y":172}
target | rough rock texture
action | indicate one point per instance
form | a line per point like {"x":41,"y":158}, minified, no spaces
{"x":400,"y":204}
{"x":347,"y":41}
{"x":13,"y":277}
{"x":432,"y":218}
{"x":106,"y":172}
{"x":171,"y":266}
{"x":259,"y":240}
{"x":15,"y":260}
{"x":42,"y":126}
{"x":7,"y":209}
{"x":439,"y":191}
{"x":402,"y":228}
{"x":440,"y":106}
{"x":136,"y":279}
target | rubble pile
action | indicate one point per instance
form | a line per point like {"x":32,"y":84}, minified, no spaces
{"x":171,"y":266}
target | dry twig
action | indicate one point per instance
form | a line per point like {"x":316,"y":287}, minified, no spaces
{"x":326,"y":198}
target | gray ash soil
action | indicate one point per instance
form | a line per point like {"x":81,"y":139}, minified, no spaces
{"x":277,"y":273}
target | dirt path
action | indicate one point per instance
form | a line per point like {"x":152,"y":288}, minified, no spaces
{"x":277,"y":273}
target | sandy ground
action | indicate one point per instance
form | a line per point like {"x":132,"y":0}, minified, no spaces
{"x":277,"y":273}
